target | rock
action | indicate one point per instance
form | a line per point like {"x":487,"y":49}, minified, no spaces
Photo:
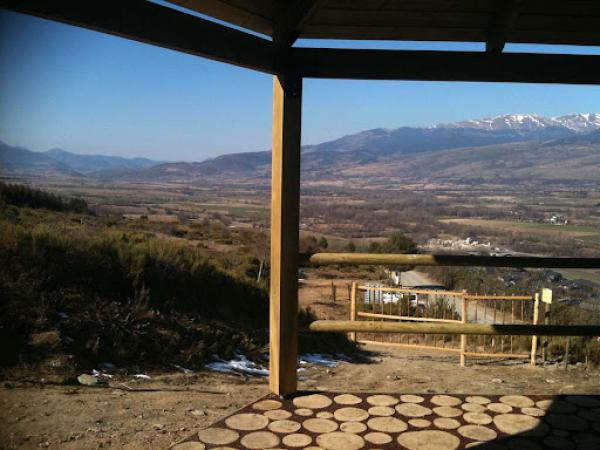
{"x":89,"y":380}
{"x":197,"y":412}
{"x":497,"y":380}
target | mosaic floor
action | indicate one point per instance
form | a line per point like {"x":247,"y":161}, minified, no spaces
{"x":332,"y":421}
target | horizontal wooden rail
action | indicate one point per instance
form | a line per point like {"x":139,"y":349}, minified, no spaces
{"x":499,"y":297}
{"x":387,"y":259}
{"x":454,"y":328}
{"x":409,"y":318}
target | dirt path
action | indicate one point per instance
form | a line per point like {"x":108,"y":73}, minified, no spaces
{"x":156,"y":413}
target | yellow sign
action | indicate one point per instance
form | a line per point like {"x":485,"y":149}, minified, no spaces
{"x":547,"y":295}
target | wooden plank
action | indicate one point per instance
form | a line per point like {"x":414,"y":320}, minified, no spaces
{"x":285,"y":206}
{"x":534,"y":339}
{"x":446,"y":66}
{"x":415,"y":346}
{"x":463,"y":337}
{"x":452,"y":260}
{"x":501,"y":25}
{"x":409,"y":318}
{"x":291,"y":20}
{"x":253,"y":15}
{"x":498,"y":355}
{"x":499,"y":297}
{"x":344,"y":326}
{"x":353,"y":308}
{"x":157,"y":25}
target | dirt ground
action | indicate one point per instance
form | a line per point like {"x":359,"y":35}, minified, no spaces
{"x":153,"y":414}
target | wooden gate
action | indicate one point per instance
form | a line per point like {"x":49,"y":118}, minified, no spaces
{"x":380,"y":303}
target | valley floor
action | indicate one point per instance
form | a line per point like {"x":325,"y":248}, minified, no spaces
{"x":158,"y":412}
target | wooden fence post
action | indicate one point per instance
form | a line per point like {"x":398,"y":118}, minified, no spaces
{"x":534,"y":339}
{"x":463,"y":337}
{"x":353,"y":309}
{"x":285,"y":210}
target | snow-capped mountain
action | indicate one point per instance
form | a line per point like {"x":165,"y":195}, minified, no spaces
{"x":579,"y":123}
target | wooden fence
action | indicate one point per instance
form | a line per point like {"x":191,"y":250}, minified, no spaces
{"x":379,"y":303}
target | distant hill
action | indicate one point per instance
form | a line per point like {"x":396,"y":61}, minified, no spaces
{"x":570,"y":160}
{"x":381,"y":145}
{"x":87,"y":164}
{"x":516,"y":145}
{"x":18,"y":160}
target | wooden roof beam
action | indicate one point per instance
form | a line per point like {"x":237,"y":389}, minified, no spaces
{"x":501,"y":25}
{"x":157,"y":25}
{"x":445,"y":66}
{"x":291,"y":19}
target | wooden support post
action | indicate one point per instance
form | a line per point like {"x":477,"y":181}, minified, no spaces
{"x":534,"y":339}
{"x":353,"y":309}
{"x":463,"y":337}
{"x":285,"y":187}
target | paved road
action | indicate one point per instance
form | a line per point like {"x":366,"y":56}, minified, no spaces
{"x":413,"y":278}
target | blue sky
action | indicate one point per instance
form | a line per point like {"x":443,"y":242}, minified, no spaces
{"x":88,"y":92}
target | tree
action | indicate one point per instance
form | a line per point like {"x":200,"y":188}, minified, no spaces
{"x":351,"y":247}
{"x":399,"y":243}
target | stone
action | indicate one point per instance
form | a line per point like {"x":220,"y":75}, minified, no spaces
{"x":558,"y":443}
{"x":277,"y":414}
{"x":381,"y":411}
{"x":218,"y":436}
{"x":320,"y":425}
{"x":266,"y":405}
{"x":312,"y":401}
{"x":419,"y":423}
{"x":445,"y":423}
{"x":520,"y":424}
{"x":284,"y":426}
{"x":304,"y":412}
{"x":517,"y":401}
{"x":378,"y":438}
{"x":477,"y":399}
{"x":353,"y":427}
{"x":297,"y":440}
{"x":473,"y":407}
{"x":428,"y":440}
{"x":247,"y":422}
{"x":569,"y":422}
{"x":477,"y":433}
{"x":347,"y":399}
{"x":447,"y":411}
{"x":340,"y":441}
{"x":536,"y":412}
{"x":387,"y":424}
{"x":477,"y":418}
{"x":502,"y":408}
{"x":412,"y":410}
{"x":350,"y":414}
{"x":189,"y":446}
{"x":411,"y":398}
{"x":445,"y":400}
{"x":89,"y":380}
{"x":260,"y":440}
{"x":382,"y":400}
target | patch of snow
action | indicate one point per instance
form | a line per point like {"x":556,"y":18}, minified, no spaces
{"x":142,"y":376}
{"x":99,"y":374}
{"x":183,"y":369}
{"x":240,"y":364}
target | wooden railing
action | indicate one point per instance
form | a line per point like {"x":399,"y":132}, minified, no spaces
{"x":462,"y":328}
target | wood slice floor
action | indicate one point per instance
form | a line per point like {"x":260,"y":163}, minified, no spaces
{"x":334,"y":421}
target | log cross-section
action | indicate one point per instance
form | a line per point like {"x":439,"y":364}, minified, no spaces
{"x":285,"y":185}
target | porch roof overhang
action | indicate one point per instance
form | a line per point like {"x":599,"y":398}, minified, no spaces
{"x":259,"y":34}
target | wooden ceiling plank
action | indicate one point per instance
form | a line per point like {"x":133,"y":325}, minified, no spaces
{"x":501,"y":25}
{"x":157,"y":25}
{"x":446,"y":66}
{"x":291,"y":20}
{"x":246,"y":15}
